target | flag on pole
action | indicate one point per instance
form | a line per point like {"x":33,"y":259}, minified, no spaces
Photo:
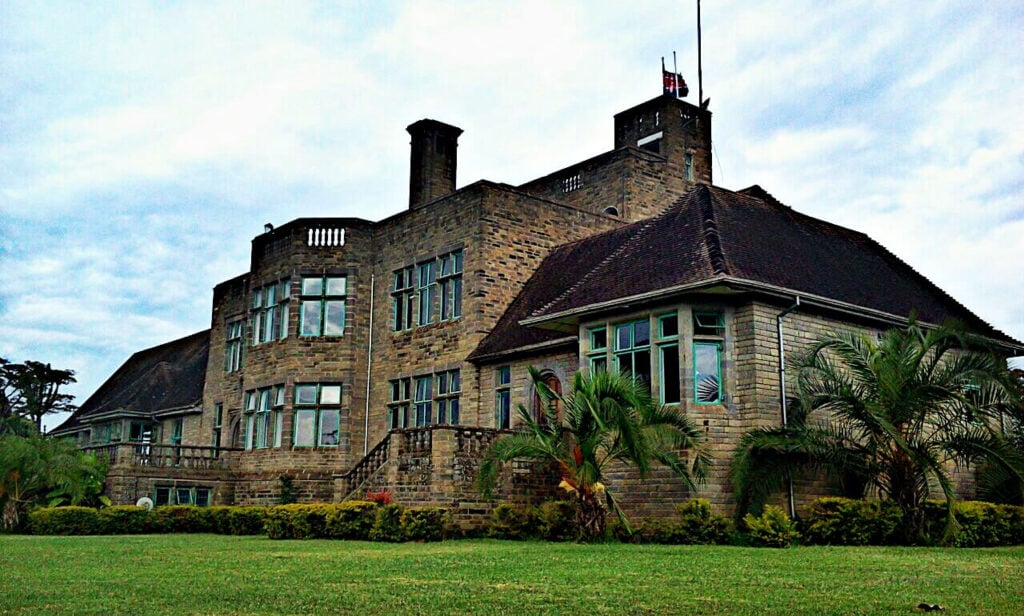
{"x":673,"y":84}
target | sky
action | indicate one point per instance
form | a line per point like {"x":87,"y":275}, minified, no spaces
{"x":143,"y":145}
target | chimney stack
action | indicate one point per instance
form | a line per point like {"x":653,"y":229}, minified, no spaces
{"x":433,"y":160}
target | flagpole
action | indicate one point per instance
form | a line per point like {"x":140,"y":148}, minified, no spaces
{"x":675,"y":76}
{"x":700,"y":67}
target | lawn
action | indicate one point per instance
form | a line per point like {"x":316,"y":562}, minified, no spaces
{"x":210,"y":574}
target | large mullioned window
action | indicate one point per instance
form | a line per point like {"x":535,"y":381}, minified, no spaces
{"x":233,"y":346}
{"x":263,"y":408}
{"x":428,"y":292}
{"x":317,"y":420}
{"x":270,"y":312}
{"x":322,"y":306}
{"x":398,"y":407}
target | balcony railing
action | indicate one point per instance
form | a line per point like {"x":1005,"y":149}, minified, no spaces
{"x":162,"y":456}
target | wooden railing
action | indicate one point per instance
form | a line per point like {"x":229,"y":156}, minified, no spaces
{"x":162,"y":456}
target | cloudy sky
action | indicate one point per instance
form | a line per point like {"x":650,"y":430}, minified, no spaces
{"x":143,"y":145}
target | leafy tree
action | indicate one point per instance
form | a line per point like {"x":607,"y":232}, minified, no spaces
{"x":30,"y":391}
{"x":606,"y":418}
{"x":889,"y":415}
{"x":36,"y":470}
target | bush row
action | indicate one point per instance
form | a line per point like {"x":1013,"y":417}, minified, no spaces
{"x":356,"y":520}
{"x":844,"y":521}
{"x":131,"y":520}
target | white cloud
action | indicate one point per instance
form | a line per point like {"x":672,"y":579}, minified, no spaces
{"x":143,"y":145}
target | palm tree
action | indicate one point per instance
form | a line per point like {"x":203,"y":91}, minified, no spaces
{"x":606,"y":418}
{"x":890,"y":415}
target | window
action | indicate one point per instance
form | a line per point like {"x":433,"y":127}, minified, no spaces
{"x":322,"y":306}
{"x":427,"y":292}
{"x":402,"y":299}
{"x":233,"y":346}
{"x":437,"y":286}
{"x":688,"y":166}
{"x":269,"y":313}
{"x":707,"y":372}
{"x":633,"y":349}
{"x":218,"y":422}
{"x":598,"y":349}
{"x":449,"y":385}
{"x":503,"y":397}
{"x":177,"y":427}
{"x":264,"y":415}
{"x":182,"y":495}
{"x":398,"y":408}
{"x":423,"y":402}
{"x":317,"y":415}
{"x":140,"y":432}
{"x":708,"y":330}
{"x":669,"y":390}
{"x":450,"y":282}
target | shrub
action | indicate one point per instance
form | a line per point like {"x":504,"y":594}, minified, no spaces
{"x":244,"y":520}
{"x":423,"y":523}
{"x":698,"y":525}
{"x":556,"y":521}
{"x":513,"y":522}
{"x":182,"y":519}
{"x":772,"y":529}
{"x":297,"y":521}
{"x":987,"y":525}
{"x":845,"y":521}
{"x":65,"y":521}
{"x":387,"y":526}
{"x":125,"y":520}
{"x":351,"y":520}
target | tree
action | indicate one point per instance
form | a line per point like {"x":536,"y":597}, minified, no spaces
{"x":889,"y":415}
{"x":36,"y":470}
{"x":606,"y":418}
{"x":30,"y":391}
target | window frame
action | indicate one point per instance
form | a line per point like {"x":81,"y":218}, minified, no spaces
{"x":448,"y":389}
{"x":318,"y":409}
{"x":323,"y":300}
{"x":403,"y":293}
{"x":234,"y":345}
{"x":268,"y":318}
{"x":503,"y":397}
{"x":399,"y":404}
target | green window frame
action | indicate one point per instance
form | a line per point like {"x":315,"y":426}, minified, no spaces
{"x":503,"y":397}
{"x":218,"y":422}
{"x":317,"y":415}
{"x":233,"y":345}
{"x":322,"y":306}
{"x":446,"y":398}
{"x":402,"y":299}
{"x":707,"y":372}
{"x":449,"y":280}
{"x":669,"y":385}
{"x":269,"y":317}
{"x":177,"y":429}
{"x":264,"y":409}
{"x":398,"y":407}
{"x":707,"y":323}
{"x":426,"y":291}
{"x":688,"y":166}
{"x":182,"y":495}
{"x":632,"y":349}
{"x":597,"y":357}
{"x":423,"y":401}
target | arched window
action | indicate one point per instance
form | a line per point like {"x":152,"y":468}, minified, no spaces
{"x":537,"y":407}
{"x":611,"y":210}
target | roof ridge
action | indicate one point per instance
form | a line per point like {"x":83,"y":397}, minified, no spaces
{"x":709,"y":233}
{"x":640,"y":228}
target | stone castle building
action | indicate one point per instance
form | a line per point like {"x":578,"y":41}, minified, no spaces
{"x":356,"y":355}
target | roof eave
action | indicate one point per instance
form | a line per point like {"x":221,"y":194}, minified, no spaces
{"x":754,"y":286}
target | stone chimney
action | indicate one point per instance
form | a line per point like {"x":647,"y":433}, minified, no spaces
{"x":433,"y":160}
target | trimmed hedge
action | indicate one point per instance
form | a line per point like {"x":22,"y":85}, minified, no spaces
{"x":131,"y":520}
{"x":355,"y":520}
{"x":844,"y":521}
{"x":65,"y":521}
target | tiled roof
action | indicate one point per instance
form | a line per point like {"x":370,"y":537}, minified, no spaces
{"x":164,"y":377}
{"x":714,"y":233}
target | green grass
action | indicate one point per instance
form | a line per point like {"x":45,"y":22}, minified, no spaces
{"x":208,"y":574}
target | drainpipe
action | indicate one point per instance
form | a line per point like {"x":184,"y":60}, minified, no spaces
{"x":369,"y":365}
{"x":782,"y":395}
